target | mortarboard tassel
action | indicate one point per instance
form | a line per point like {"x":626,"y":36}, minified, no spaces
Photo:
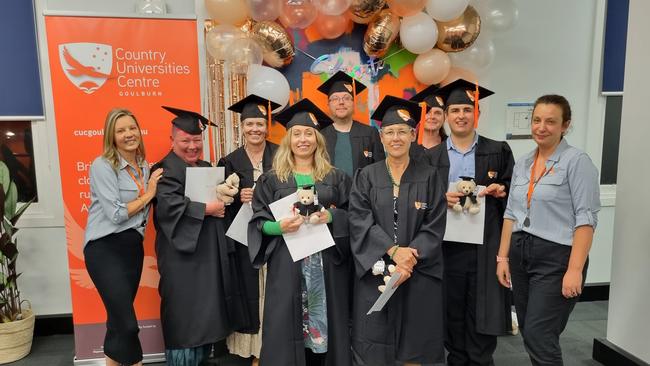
{"x":268,"y":117}
{"x":423,"y":116}
{"x":476,"y":107}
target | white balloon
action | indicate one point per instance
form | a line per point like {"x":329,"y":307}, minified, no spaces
{"x":418,"y":33}
{"x":477,"y":57}
{"x":268,"y":83}
{"x":446,"y":10}
{"x":498,"y":15}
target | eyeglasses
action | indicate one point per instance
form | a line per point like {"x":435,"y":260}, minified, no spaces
{"x":399,"y":133}
{"x":345,"y":98}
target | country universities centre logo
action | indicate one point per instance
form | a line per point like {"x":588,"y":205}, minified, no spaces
{"x":87,"y":65}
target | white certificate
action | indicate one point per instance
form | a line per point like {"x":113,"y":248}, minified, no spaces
{"x":464,"y":227}
{"x":201,"y":183}
{"x":385,"y":296}
{"x":309,"y":238}
{"x":238,"y":230}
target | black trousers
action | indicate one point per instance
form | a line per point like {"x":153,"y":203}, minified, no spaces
{"x":314,"y":359}
{"x":465,"y":345}
{"x":537,"y":268}
{"x":114,"y":263}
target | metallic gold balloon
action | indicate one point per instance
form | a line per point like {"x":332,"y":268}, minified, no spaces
{"x":275,"y":41}
{"x":381,"y":33}
{"x":458,"y":34}
{"x":363,"y":11}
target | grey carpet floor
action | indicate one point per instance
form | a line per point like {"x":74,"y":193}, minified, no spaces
{"x":588,"y":321}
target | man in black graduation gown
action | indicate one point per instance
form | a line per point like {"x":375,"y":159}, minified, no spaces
{"x":351,"y":145}
{"x":194,"y":260}
{"x":409,"y":329}
{"x":477,"y":307}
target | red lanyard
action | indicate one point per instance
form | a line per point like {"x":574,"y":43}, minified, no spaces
{"x":139,"y":183}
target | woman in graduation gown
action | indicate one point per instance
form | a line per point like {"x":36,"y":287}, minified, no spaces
{"x":430,"y":129}
{"x":249,"y":162}
{"x":397,"y":216}
{"x":306,"y":308}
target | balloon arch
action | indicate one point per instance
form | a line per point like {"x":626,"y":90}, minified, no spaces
{"x":447,"y":39}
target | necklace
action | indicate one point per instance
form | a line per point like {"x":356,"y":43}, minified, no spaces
{"x":390,"y":174}
{"x":255,"y":159}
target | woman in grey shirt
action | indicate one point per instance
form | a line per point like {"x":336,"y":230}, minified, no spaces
{"x":120,"y":192}
{"x":548,"y":229}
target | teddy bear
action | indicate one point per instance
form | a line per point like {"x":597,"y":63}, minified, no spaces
{"x":227,"y":190}
{"x":468,"y":201}
{"x":380,"y":269}
{"x":307,"y":205}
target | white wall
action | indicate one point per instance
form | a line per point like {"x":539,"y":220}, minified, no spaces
{"x":556,"y":48}
{"x":628,"y":324}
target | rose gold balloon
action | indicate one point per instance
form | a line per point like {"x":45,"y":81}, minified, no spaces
{"x":331,"y":26}
{"x":406,"y":8}
{"x":363,"y":11}
{"x":298,"y":13}
{"x":227,"y":11}
{"x":456,"y":73}
{"x":458,"y":34}
{"x":381,"y":33}
{"x":431,"y":67}
{"x":275,"y":42}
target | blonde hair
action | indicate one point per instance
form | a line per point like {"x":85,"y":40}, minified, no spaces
{"x":110,"y":150}
{"x":284,"y":163}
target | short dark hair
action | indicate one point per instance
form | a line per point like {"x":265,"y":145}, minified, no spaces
{"x":557,"y":100}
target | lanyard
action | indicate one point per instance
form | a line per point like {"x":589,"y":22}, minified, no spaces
{"x":532,"y":184}
{"x":138,"y":182}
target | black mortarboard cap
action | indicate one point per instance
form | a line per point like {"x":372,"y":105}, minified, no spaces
{"x":304,"y":113}
{"x":254,"y":106}
{"x":466,"y":178}
{"x":341,"y":82}
{"x":431,"y":96}
{"x":393,"y":110}
{"x":188,"y":121}
{"x":462,"y":91}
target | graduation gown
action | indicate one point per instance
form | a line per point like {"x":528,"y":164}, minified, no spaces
{"x":410,"y":327}
{"x":282,"y":338}
{"x":194,"y":264}
{"x":493,"y":164}
{"x":247,"y":277}
{"x":366,"y":145}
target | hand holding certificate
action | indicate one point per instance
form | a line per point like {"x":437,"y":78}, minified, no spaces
{"x":308,"y":239}
{"x":463,"y":226}
{"x":385,"y":296}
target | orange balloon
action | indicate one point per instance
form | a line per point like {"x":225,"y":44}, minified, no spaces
{"x":406,"y":8}
{"x":431,"y":67}
{"x":456,"y":73}
{"x":227,"y":11}
{"x":331,"y":26}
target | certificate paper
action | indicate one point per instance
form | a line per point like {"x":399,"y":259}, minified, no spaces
{"x":463,"y":227}
{"x":385,"y":296}
{"x":201,"y":183}
{"x":309,"y":239}
{"x":238,"y":230}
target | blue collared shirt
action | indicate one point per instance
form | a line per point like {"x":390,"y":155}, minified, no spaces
{"x":110,"y":191}
{"x":566,"y":197}
{"x":461,"y":164}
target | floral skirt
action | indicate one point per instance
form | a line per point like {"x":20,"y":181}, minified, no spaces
{"x":247,"y":345}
